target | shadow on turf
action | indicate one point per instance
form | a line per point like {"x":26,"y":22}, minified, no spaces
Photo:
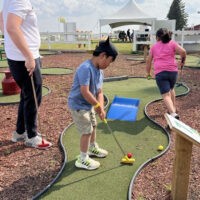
{"x":132,"y":128}
{"x":69,"y":169}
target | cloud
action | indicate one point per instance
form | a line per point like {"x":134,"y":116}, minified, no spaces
{"x":86,"y":13}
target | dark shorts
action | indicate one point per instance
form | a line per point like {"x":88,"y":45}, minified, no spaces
{"x":166,"y":80}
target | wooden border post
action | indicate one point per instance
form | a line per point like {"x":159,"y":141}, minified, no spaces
{"x":181,"y":170}
{"x":185,"y":138}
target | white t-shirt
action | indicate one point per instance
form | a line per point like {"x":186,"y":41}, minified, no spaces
{"x":23,"y":9}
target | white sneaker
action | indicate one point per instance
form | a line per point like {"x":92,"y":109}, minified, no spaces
{"x":87,"y":163}
{"x":175,"y":115}
{"x":16,"y":137}
{"x":38,"y":142}
{"x":97,"y":151}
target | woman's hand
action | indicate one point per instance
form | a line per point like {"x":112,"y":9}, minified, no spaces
{"x":30,"y":65}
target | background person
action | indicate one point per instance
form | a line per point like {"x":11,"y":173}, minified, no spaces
{"x":22,"y":42}
{"x":165,"y":66}
{"x":86,"y":98}
{"x":128,"y":33}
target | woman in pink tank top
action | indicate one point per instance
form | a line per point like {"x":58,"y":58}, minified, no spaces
{"x":163,"y":55}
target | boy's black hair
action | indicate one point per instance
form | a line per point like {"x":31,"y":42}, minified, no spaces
{"x":164,"y":35}
{"x":107,"y":47}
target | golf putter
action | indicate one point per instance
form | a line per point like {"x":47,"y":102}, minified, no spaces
{"x":37,"y":108}
{"x":125,"y":159}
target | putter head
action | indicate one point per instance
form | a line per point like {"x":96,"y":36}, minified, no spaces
{"x":126,"y":160}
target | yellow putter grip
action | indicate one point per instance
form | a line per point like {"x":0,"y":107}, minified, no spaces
{"x":105,"y":121}
{"x":97,"y":105}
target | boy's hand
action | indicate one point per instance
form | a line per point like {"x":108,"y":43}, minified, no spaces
{"x":102,"y":115}
{"x":100,"y":111}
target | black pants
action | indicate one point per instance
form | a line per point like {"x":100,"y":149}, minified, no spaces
{"x":27,"y":112}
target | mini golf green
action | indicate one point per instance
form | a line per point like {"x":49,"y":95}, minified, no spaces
{"x":112,"y":179}
{"x":3,"y":64}
{"x":9,"y":99}
{"x":46,"y":52}
{"x":55,"y":71}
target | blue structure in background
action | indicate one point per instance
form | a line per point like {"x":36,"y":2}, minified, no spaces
{"x":124,"y":109}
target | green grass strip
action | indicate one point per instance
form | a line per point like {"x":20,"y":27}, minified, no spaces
{"x":55,"y":71}
{"x":111,"y":180}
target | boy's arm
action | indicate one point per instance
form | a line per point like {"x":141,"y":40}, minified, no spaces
{"x":100,"y":98}
{"x":88,"y":96}
{"x":98,"y":102}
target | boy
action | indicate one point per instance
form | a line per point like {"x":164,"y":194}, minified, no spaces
{"x":86,"y":98}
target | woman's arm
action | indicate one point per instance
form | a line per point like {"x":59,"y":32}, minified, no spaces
{"x":148,"y":65}
{"x":13,"y":27}
{"x":1,"y":22}
{"x":182,"y":52}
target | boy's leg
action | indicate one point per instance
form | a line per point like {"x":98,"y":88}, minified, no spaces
{"x":84,"y":142}
{"x":94,"y":149}
{"x":83,"y":123}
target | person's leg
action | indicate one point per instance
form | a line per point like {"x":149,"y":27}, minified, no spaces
{"x":18,"y":71}
{"x":173,"y":97}
{"x":93,"y":135}
{"x":94,"y":149}
{"x":84,"y":142}
{"x":163,"y":83}
{"x":82,"y":121}
{"x":173,"y":78}
{"x":168,"y":102}
{"x":20,"y":116}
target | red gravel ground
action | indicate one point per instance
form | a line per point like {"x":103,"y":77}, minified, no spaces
{"x":25,"y":171}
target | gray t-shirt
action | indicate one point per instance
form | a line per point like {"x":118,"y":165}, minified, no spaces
{"x":86,"y":74}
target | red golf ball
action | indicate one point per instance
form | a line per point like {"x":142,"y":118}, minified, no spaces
{"x":129,"y":155}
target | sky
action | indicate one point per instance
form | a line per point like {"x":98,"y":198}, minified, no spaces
{"x":86,"y":13}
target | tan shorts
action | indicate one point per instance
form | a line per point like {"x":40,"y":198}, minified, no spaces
{"x":84,"y":120}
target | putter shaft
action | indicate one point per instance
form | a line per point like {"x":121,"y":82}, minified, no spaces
{"x":110,"y":130}
{"x":36,"y":102}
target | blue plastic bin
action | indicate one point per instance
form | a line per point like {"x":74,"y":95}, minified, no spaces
{"x":123,"y":108}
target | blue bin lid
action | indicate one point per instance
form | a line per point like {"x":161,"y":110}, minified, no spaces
{"x":124,"y":109}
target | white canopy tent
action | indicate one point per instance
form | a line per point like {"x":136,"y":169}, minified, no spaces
{"x":130,"y":14}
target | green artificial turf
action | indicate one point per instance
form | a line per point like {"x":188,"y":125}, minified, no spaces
{"x":192,"y":61}
{"x":46,"y":52}
{"x":55,"y":71}
{"x":111,"y":181}
{"x":3,"y":64}
{"x":6,"y":99}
